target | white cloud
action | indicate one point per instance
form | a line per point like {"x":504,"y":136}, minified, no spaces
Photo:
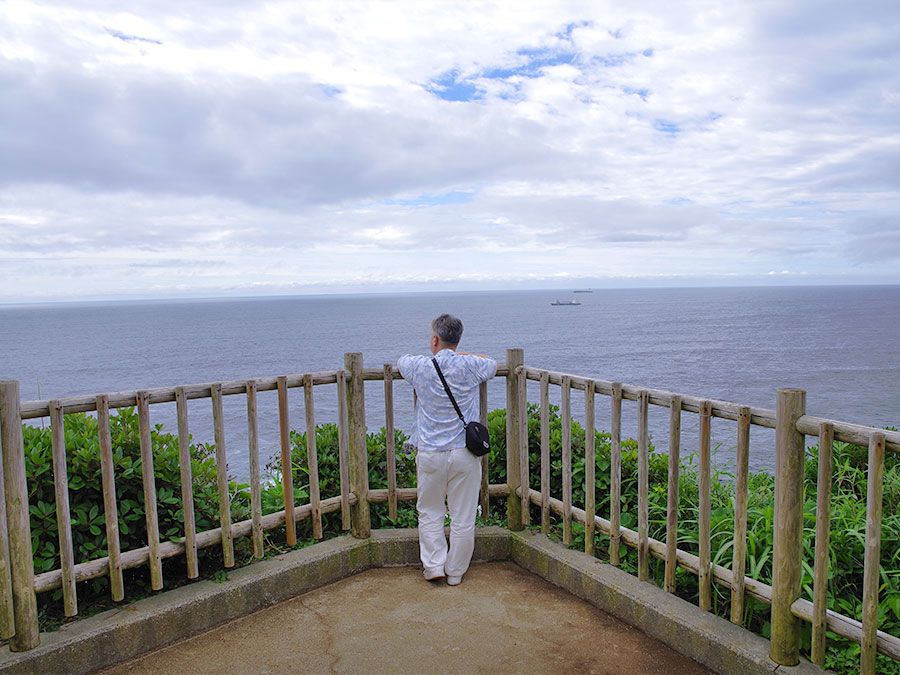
{"x":209,"y":147}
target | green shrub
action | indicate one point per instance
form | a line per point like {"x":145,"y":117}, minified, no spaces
{"x":86,"y":495}
{"x":847,"y":515}
{"x":327,"y":454}
{"x":848,"y":519}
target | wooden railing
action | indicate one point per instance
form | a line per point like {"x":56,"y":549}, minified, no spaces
{"x":792,"y":426}
{"x":19,"y":585}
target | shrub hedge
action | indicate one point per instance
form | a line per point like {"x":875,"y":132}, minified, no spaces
{"x":88,"y":526}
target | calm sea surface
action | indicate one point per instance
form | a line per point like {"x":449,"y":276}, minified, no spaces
{"x":841,"y":344}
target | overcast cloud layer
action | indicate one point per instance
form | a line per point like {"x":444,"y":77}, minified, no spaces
{"x":163,"y":149}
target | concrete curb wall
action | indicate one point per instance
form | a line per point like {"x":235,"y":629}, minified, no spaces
{"x":126,"y":632}
{"x":708,"y":639}
{"x":131,"y":630}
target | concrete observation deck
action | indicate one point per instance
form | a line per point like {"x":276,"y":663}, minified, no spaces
{"x":501,"y":619}
{"x":353,"y":606}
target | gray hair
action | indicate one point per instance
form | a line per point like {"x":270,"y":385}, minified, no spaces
{"x":448,"y":328}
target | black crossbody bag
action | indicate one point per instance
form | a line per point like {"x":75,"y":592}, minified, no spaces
{"x":477,"y":439}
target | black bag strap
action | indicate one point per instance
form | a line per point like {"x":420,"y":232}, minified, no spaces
{"x":447,"y":389}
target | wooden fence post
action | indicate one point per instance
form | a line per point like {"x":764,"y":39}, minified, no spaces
{"x":615,"y":473}
{"x":17,"y":521}
{"x":788,"y":546}
{"x":287,"y":471}
{"x":672,"y":496}
{"x":643,"y":523}
{"x":359,"y":461}
{"x":514,"y":359}
{"x":871,"y":577}
{"x":7,"y":617}
{"x":704,"y":524}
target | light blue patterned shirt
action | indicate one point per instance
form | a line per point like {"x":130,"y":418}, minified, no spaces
{"x":438,"y":426}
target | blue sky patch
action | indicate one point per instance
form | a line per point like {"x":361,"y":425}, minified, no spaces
{"x":566,"y":34}
{"x":453,"y":86}
{"x":613,"y":60}
{"x":426,"y":200}
{"x":643,"y":93}
{"x":666,"y":127}
{"x":536,"y":60}
{"x":329,"y":91}
{"x":450,"y":87}
{"x":131,"y":38}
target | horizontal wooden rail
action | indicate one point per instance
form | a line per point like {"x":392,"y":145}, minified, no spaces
{"x":699,"y":566}
{"x":762,"y":417}
{"x":887,"y":644}
{"x":99,"y":567}
{"x":808,"y":424}
{"x":857,"y":434}
{"x":839,"y":624}
{"x":125,"y":399}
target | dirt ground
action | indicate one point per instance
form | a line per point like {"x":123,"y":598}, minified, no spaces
{"x":501,"y":619}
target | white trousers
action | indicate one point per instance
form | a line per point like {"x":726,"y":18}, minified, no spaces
{"x":447,"y":479}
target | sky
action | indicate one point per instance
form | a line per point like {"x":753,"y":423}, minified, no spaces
{"x":173,"y":149}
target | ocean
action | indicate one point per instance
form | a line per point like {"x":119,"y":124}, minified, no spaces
{"x":839,"y":343}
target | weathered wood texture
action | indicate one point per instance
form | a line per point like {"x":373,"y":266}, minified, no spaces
{"x":523,"y":451}
{"x":802,"y":609}
{"x":344,"y":450}
{"x":389,"y":444}
{"x":807,"y":424}
{"x":359,"y":463}
{"x":94,"y":569}
{"x":127,"y":399}
{"x":485,"y":496}
{"x":871,"y":577}
{"x":643,"y":487}
{"x":149,"y":481}
{"x":222,"y":477}
{"x":789,"y":420}
{"x":287,"y":471}
{"x":514,"y":359}
{"x":565,"y":416}
{"x":590,"y":470}
{"x":63,"y":517}
{"x":21,"y":565}
{"x":615,"y":472}
{"x":255,"y":489}
{"x":763,"y":417}
{"x":823,"y":537}
{"x":110,"y":507}
{"x":187,"y":484}
{"x":787,"y":546}
{"x":672,"y":491}
{"x":545,"y":453}
{"x":739,"y":554}
{"x":705,"y":577}
{"x":312,"y":457}
{"x":7,"y":616}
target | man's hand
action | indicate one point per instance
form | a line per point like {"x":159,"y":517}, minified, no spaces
{"x":484,"y":356}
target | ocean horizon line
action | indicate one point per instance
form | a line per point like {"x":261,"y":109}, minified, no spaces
{"x":95,"y":301}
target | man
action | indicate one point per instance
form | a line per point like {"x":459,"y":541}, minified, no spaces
{"x":446,"y":472}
